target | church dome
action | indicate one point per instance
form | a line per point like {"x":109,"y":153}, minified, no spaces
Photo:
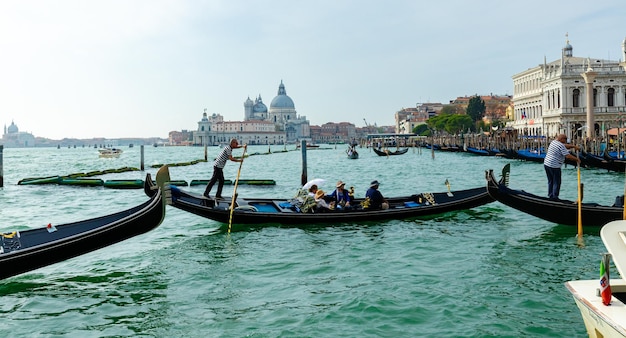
{"x":282,"y":101}
{"x":12,"y":128}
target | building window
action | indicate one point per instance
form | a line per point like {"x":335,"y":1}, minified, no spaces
{"x":610,"y":97}
{"x":576,"y":98}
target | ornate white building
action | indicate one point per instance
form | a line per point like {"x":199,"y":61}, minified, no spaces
{"x":14,"y":138}
{"x":278,"y":125}
{"x":554,"y":97}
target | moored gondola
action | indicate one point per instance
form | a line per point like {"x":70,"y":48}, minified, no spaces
{"x":558,"y":211}
{"x":23,"y":251}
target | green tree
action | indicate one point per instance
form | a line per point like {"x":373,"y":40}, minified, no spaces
{"x":420,"y":128}
{"x":438,"y":122}
{"x":476,"y":108}
{"x":458,"y":123}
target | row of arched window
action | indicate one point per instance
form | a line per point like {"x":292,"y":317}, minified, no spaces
{"x":610,"y":97}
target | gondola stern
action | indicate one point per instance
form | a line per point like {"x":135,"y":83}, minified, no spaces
{"x":162,"y":180}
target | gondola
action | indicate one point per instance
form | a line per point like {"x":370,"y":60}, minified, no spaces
{"x":387,"y":152}
{"x":558,"y":211}
{"x":531,"y":155}
{"x":478,"y":151}
{"x":619,"y":164}
{"x":596,"y":161}
{"x":352,"y":153}
{"x":27,"y":250}
{"x":284,"y":212}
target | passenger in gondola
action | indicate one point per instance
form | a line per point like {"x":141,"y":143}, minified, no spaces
{"x":341,"y":196}
{"x":313,"y":190}
{"x":555,"y":157}
{"x":374,"y":197}
{"x":322,"y":205}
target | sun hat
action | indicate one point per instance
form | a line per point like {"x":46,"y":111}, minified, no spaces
{"x":339,"y":183}
{"x":319,"y":194}
{"x":374,"y":183}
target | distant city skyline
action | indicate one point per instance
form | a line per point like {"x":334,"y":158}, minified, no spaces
{"x":119,"y":69}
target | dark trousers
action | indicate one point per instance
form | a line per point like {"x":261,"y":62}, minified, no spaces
{"x":554,"y":182}
{"x":218,"y":176}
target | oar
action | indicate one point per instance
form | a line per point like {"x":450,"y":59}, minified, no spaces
{"x":580,"y":210}
{"x":232,"y":202}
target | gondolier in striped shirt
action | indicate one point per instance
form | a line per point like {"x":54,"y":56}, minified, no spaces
{"x":218,"y":168}
{"x":555,"y":156}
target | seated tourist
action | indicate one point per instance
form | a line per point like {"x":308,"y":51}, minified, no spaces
{"x":375,"y":197}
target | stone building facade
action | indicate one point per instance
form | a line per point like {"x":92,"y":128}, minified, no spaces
{"x":280,"y":124}
{"x":555,"y":97}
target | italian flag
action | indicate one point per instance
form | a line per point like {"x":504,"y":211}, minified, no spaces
{"x":605,"y":286}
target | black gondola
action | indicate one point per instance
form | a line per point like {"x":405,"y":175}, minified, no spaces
{"x":596,"y":161}
{"x":558,"y":211}
{"x":387,"y":152}
{"x":281,"y":211}
{"x":478,"y":151}
{"x":352,"y":153}
{"x":23,"y":251}
{"x":617,"y":164}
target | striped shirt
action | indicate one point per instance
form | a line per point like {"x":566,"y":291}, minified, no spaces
{"x":221,"y":159}
{"x":555,"y":155}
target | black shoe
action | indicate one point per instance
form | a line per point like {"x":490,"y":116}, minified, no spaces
{"x":219,"y":197}
{"x":207,"y":196}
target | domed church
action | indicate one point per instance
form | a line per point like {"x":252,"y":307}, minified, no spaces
{"x":13,"y":137}
{"x":282,"y":113}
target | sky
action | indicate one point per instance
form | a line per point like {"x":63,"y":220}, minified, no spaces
{"x":143,"y":68}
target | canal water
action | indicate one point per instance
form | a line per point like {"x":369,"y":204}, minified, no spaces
{"x":486,"y":272}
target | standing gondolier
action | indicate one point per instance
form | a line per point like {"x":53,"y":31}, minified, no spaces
{"x":555,"y":156}
{"x":218,"y":168}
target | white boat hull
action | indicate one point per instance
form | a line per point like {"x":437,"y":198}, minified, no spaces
{"x":600,"y":320}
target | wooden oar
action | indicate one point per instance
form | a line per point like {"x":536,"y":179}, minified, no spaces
{"x":580,"y":210}
{"x":232,"y":202}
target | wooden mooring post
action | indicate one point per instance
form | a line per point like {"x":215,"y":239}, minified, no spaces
{"x":1,"y":166}
{"x":303,"y":179}
{"x":141,"y":165}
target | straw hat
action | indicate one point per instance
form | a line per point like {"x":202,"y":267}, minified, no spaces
{"x":339,"y":184}
{"x":319,"y":194}
{"x":374,"y":184}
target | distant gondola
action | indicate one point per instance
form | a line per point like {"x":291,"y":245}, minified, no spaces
{"x":352,"y":153}
{"x":478,"y":151}
{"x":388,"y":152}
{"x":283,"y":212}
{"x":558,"y":211}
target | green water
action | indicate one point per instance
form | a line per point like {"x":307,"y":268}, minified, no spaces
{"x":486,"y":272}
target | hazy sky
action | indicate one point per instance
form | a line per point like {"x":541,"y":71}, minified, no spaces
{"x":142,"y":68}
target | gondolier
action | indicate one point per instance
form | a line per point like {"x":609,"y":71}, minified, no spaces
{"x":555,"y":156}
{"x":218,"y":168}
